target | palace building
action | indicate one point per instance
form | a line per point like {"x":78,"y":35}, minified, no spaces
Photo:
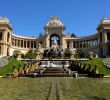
{"x":97,"y":43}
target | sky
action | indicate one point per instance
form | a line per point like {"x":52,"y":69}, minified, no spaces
{"x":28,"y":17}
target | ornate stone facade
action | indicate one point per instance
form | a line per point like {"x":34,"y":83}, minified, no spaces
{"x":54,"y":31}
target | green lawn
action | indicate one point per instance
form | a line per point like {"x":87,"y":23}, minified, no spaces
{"x":55,"y":88}
{"x":98,"y":62}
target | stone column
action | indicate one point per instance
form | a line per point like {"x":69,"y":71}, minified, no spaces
{"x":33,"y":44}
{"x":14,"y":41}
{"x":97,"y":42}
{"x":105,"y":37}
{"x":47,"y":42}
{"x":91,"y":42}
{"x":30,"y":44}
{"x":26,"y":43}
{"x":4,"y":37}
{"x":87,"y":44}
{"x":4,"y":49}
{"x":19,"y":43}
{"x":23,"y":43}
{"x":82,"y":44}
{"x":71,"y":44}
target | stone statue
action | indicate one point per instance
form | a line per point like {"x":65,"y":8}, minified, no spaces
{"x":15,"y":72}
{"x":39,"y":45}
{"x":54,"y":45}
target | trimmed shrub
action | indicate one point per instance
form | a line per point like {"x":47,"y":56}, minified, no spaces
{"x":16,"y":53}
{"x":30,"y":55}
{"x":80,"y":54}
{"x":99,"y":63}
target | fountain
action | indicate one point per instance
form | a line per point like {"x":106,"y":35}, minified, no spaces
{"x":54,"y":51}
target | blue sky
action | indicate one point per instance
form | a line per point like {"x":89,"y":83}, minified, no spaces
{"x":81,"y":17}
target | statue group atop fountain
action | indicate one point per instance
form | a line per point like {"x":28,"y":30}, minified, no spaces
{"x":54,"y":51}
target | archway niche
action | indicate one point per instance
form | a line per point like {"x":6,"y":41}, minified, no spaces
{"x":68,"y":44}
{"x":54,"y":38}
{"x":108,"y":39}
{"x":8,"y":37}
{"x":100,"y":36}
{"x":0,"y":50}
{"x":8,"y":51}
{"x":108,"y":36}
{"x":0,"y":36}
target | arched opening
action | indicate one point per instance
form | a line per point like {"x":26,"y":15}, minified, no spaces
{"x":108,"y":39}
{"x":8,"y":37}
{"x":100,"y":36}
{"x":108,"y":36}
{"x":101,"y":52}
{"x":68,"y":43}
{"x":0,"y":36}
{"x":0,"y":50}
{"x":54,"y":38}
{"x":28,"y":44}
{"x":8,"y":51}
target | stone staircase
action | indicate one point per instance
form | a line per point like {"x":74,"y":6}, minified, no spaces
{"x":52,"y":72}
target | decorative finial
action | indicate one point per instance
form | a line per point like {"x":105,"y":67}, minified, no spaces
{"x":54,"y":18}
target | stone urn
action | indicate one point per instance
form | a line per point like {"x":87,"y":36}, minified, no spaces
{"x":91,"y":55}
{"x":19,"y":56}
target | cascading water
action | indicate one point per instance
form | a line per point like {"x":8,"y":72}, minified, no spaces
{"x":54,"y":64}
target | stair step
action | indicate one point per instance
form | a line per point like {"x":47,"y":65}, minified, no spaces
{"x":49,"y":72}
{"x":53,"y":72}
{"x":43,"y":75}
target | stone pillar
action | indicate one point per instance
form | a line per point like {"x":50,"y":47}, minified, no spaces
{"x":105,"y":37}
{"x":92,"y":43}
{"x":4,"y":49}
{"x":4,"y":37}
{"x":97,"y":42}
{"x":82,"y":44}
{"x":19,"y":43}
{"x":33,"y":44}
{"x":26,"y":43}
{"x":71,"y":44}
{"x":30,"y":44}
{"x":23,"y":43}
{"x":14,"y":42}
{"x":47,"y":42}
{"x":87,"y":44}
